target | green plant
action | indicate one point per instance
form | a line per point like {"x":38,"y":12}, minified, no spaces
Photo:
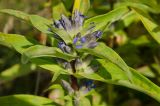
{"x":74,"y":50}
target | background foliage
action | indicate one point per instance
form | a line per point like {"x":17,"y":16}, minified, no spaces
{"x":130,"y":28}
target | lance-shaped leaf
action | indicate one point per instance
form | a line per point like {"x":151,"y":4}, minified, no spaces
{"x":40,"y":23}
{"x":142,"y":6}
{"x":81,"y":6}
{"x":18,"y":42}
{"x":15,"y":71}
{"x":58,"y":9}
{"x":101,"y":21}
{"x":107,"y":53}
{"x":49,"y":64}
{"x":110,"y":73}
{"x":44,"y":51}
{"x":26,"y":100}
{"x":63,"y":34}
{"x":36,"y":21}
{"x":149,"y":24}
{"x":16,"y":13}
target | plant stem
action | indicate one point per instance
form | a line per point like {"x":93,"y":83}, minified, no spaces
{"x":74,"y":82}
{"x":110,"y":94}
{"x":37,"y":82}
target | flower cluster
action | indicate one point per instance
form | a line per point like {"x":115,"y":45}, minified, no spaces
{"x":73,"y":26}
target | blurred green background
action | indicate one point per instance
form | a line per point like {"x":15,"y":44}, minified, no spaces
{"x":128,"y":38}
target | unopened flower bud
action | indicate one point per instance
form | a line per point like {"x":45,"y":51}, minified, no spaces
{"x":67,"y":86}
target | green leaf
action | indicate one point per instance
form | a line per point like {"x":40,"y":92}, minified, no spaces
{"x":143,"y":84}
{"x":56,"y":75}
{"x":107,"y":72}
{"x":68,"y":4}
{"x":149,"y":70}
{"x":40,"y":23}
{"x":16,"y":13}
{"x":81,"y":5}
{"x":141,"y":6}
{"x":49,"y":64}
{"x":150,"y":25}
{"x":58,"y":9}
{"x":26,"y":100}
{"x":18,"y":42}
{"x":112,"y":74}
{"x":63,"y":34}
{"x":101,"y":21}
{"x":37,"y":21}
{"x":44,"y":51}
{"x":84,"y":102}
{"x":55,"y":86}
{"x":144,"y":5}
{"x":107,"y":53}
{"x":15,"y":71}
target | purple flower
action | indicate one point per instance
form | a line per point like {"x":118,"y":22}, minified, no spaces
{"x":83,"y":39}
{"x":66,"y":23}
{"x":75,"y":40}
{"x":92,"y":44}
{"x":58,"y":24}
{"x":97,"y":34}
{"x":79,"y":46}
{"x":78,"y":19}
{"x":72,"y":25}
{"x":64,"y":47}
{"x":90,"y":85}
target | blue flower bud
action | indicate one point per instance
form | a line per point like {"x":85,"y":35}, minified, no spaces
{"x":64,"y":47}
{"x":49,"y":29}
{"x":83,"y":39}
{"x":78,"y":19}
{"x":79,"y":46}
{"x":89,"y":82}
{"x":75,"y":40}
{"x":61,"y":45}
{"x":67,"y":65}
{"x":97,"y":34}
{"x":67,"y":49}
{"x":67,"y":86}
{"x":92,"y":44}
{"x":57,"y":24}
{"x":90,"y":85}
{"x":66,"y":23}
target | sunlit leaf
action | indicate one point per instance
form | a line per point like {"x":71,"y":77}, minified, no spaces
{"x":37,"y":21}
{"x":40,"y":23}
{"x":144,"y":5}
{"x":81,"y":5}
{"x":44,"y":51}
{"x":18,"y":42}
{"x":58,"y":9}
{"x":150,"y":25}
{"x":63,"y":34}
{"x":16,"y":13}
{"x":49,"y":64}
{"x":26,"y":100}
{"x":107,"y":53}
{"x":56,"y":75}
{"x":114,"y":75}
{"x":15,"y":71}
{"x":84,"y":101}
{"x":101,"y":21}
